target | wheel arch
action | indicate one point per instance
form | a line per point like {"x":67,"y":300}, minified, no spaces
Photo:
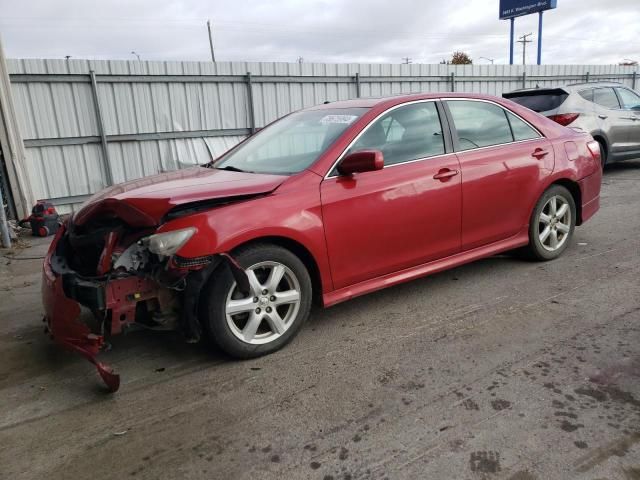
{"x":300,"y":251}
{"x":600,"y":137}
{"x":574,"y":190}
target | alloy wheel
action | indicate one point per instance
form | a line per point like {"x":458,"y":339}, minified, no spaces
{"x":270,"y":308}
{"x":554,"y":223}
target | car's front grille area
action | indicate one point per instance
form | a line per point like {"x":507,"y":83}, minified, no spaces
{"x":182,"y":262}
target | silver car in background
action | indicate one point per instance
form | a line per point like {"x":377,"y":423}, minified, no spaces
{"x":610,"y":112}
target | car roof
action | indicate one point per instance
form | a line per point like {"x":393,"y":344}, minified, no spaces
{"x":583,"y":85}
{"x":370,"y":102}
{"x":571,"y":87}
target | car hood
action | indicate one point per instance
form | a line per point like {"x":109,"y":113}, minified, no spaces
{"x":144,"y":202}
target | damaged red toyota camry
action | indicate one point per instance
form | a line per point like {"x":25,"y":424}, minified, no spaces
{"x":326,"y":203}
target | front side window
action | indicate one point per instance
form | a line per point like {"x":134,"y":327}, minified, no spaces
{"x":605,"y":97}
{"x":406,"y":133}
{"x":479,"y":124}
{"x":629,"y":99}
{"x":292,"y":144}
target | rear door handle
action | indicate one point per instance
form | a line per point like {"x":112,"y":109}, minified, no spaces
{"x":445,"y":174}
{"x":539,"y":153}
{"x":603,"y":117}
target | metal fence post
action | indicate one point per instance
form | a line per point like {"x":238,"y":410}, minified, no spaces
{"x":4,"y":181}
{"x":250,"y":112}
{"x":357,"y":77}
{"x":453,"y":81}
{"x":101,"y":132}
{"x":4,"y":226}
{"x":586,"y":78}
{"x":524,"y":79}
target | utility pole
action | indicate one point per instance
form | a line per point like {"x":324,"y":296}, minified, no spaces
{"x":407,"y":60}
{"x":523,"y":40}
{"x":213,"y":56}
{"x":300,"y":60}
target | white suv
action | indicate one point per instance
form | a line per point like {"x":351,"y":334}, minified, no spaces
{"x":610,"y":112}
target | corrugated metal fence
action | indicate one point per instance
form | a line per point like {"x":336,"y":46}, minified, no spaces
{"x":87,"y":124}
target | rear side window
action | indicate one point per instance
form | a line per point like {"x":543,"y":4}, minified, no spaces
{"x":479,"y":124}
{"x":587,"y":94}
{"x":539,"y":101}
{"x":521,"y":131}
{"x":605,"y":97}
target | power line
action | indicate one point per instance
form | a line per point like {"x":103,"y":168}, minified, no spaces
{"x":523,"y":40}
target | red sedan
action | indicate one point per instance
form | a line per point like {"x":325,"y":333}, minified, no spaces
{"x":326,"y":203}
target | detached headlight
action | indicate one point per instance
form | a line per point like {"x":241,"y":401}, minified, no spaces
{"x":168,"y":243}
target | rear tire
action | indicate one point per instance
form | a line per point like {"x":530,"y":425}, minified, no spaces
{"x":551,"y":224}
{"x":270,"y":316}
{"x":603,"y":153}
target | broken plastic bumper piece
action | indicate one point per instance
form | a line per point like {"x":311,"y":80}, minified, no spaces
{"x":62,"y":315}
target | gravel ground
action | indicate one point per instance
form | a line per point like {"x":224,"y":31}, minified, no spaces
{"x":500,"y":369}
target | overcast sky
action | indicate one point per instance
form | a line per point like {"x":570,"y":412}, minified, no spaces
{"x":578,"y":31}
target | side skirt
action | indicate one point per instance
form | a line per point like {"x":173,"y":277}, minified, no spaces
{"x":519,"y":240}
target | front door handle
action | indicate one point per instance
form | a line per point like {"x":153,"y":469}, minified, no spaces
{"x":603,"y":117}
{"x":539,"y":153}
{"x":445,"y":174}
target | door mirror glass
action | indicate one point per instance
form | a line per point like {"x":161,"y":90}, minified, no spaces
{"x":361,"y":161}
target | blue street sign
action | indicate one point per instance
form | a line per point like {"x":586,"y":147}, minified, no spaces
{"x":517,"y":8}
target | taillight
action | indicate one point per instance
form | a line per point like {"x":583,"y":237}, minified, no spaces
{"x":564,"y":118}
{"x":594,"y":148}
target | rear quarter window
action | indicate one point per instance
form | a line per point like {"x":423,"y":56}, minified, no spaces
{"x":587,"y":94}
{"x":520,"y":129}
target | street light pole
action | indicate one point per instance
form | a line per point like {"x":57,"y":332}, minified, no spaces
{"x":213,"y":56}
{"x":134,"y":53}
{"x":489,"y":59}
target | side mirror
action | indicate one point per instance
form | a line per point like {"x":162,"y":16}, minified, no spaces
{"x":362,"y":161}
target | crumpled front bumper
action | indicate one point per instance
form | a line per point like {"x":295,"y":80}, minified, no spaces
{"x":62,"y":315}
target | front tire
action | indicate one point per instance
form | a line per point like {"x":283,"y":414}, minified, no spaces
{"x":270,"y":316}
{"x":552,"y":224}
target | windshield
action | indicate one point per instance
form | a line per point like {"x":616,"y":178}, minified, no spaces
{"x":291,"y":144}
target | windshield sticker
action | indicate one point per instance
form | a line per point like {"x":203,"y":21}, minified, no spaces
{"x":328,"y":119}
